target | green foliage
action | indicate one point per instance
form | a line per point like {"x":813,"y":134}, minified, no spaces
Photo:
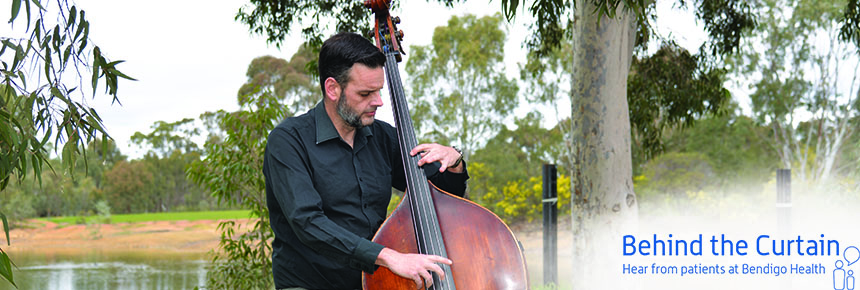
{"x":548,"y":74}
{"x":460,"y":94}
{"x":99,"y":158}
{"x":515,"y":155}
{"x":667,"y":89}
{"x":5,"y":262}
{"x":797,"y":85}
{"x":725,"y":20}
{"x":548,"y":30}
{"x":165,"y":185}
{"x":37,"y":107}
{"x":103,"y":212}
{"x":675,"y":174}
{"x":167,"y":138}
{"x":396,"y":197}
{"x":128,"y":186}
{"x":55,"y":195}
{"x":852,"y":156}
{"x":276,"y":19}
{"x":547,"y":80}
{"x":850,"y":31}
{"x":244,"y":261}
{"x":17,"y":206}
{"x":232,"y":172}
{"x":517,"y":200}
{"x":5,"y":228}
{"x":659,"y":91}
{"x":293,"y":78}
{"x":735,"y":145}
{"x":147,"y":185}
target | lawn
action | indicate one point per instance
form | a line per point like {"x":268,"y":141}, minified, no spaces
{"x":161,"y":216}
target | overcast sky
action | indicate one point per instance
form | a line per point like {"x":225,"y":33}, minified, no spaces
{"x":191,"y":56}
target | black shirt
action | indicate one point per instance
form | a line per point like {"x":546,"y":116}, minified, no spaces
{"x":326,"y":199}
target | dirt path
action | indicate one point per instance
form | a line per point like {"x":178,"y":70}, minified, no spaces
{"x":178,"y":236}
{"x":199,"y":237}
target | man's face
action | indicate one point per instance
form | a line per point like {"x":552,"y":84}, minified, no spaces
{"x":360,"y":97}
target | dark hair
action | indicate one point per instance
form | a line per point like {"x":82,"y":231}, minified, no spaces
{"x":341,"y":51}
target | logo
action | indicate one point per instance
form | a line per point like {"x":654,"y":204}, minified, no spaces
{"x":842,"y":279}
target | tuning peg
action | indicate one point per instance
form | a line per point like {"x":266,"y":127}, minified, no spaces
{"x":396,"y":19}
{"x":400,"y":35}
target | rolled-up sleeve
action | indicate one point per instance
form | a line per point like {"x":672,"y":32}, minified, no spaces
{"x":290,"y":178}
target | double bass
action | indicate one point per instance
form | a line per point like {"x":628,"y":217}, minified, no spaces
{"x":485,"y":253}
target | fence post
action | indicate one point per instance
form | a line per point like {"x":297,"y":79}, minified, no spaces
{"x":550,"y":225}
{"x":783,"y":200}
{"x":783,"y":212}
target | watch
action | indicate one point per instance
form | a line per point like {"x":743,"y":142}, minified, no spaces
{"x":459,"y":160}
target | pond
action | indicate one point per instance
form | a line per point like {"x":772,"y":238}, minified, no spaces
{"x":93,"y":270}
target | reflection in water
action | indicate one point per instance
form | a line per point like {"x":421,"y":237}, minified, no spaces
{"x":74,"y":270}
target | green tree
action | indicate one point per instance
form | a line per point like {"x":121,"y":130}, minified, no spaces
{"x":44,"y":196}
{"x":676,"y":174}
{"x":232,"y":167}
{"x":659,"y":89}
{"x":283,"y":78}
{"x":460,"y":94}
{"x":62,"y":194}
{"x":128,"y":187}
{"x":167,"y":137}
{"x":793,"y":76}
{"x":98,"y":159}
{"x":39,"y":107}
{"x":232,"y":172}
{"x":171,"y":151}
{"x":658,"y":92}
{"x":514,"y":155}
{"x":547,"y":79}
{"x":736,"y":146}
{"x":605,"y":35}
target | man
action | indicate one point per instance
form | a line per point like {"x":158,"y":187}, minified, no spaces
{"x":329,"y":174}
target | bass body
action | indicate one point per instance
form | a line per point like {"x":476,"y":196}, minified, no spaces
{"x":485,"y":252}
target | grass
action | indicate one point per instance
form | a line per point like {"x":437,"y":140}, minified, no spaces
{"x":161,"y":216}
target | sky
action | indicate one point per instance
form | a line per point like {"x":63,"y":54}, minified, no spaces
{"x":190,"y":57}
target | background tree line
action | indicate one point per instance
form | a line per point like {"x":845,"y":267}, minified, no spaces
{"x":153,"y":183}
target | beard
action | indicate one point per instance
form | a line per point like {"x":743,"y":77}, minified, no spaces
{"x":348,"y":114}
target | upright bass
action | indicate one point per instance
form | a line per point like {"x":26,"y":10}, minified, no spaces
{"x":485,"y":253}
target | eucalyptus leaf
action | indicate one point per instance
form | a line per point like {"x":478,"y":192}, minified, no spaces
{"x":6,"y":267}
{"x":16,"y":7}
{"x":5,"y":228}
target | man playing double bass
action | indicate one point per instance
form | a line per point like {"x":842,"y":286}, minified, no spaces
{"x":329,"y":174}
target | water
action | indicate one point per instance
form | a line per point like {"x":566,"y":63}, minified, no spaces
{"x":94,"y":270}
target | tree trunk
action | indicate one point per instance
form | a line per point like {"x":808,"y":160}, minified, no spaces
{"x":605,"y":206}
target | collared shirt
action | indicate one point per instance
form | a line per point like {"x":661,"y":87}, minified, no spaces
{"x":326,"y":199}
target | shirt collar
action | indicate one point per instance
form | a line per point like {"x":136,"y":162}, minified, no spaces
{"x":325,"y":127}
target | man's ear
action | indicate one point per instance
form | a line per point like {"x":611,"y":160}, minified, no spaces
{"x":332,"y":89}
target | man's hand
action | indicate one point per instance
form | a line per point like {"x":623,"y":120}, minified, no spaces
{"x":416,"y":267}
{"x":433,"y":152}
